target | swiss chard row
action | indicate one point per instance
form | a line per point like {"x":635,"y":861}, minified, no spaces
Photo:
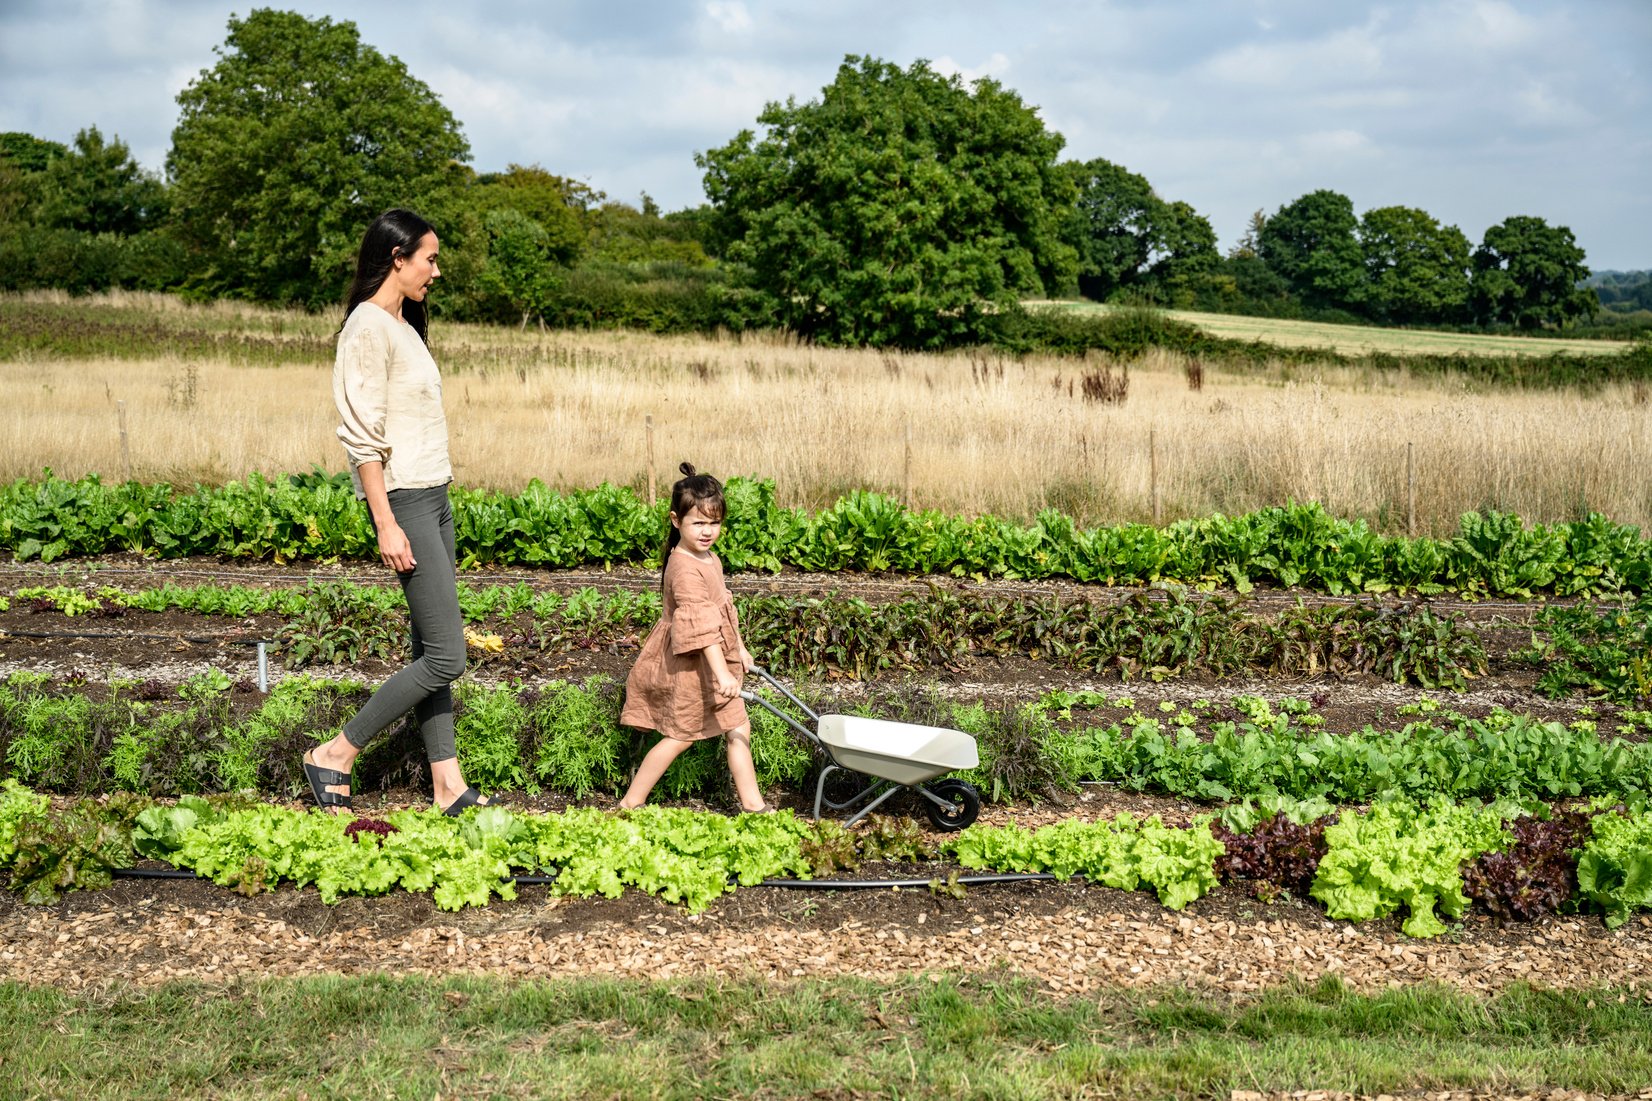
{"x":317,"y":517}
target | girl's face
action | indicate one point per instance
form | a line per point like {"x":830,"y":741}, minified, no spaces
{"x":415,"y":271}
{"x":697,"y":531}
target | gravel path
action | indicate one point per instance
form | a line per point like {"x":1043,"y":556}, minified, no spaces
{"x":1072,"y":938}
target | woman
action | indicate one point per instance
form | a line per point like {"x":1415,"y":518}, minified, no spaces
{"x":389,"y":397}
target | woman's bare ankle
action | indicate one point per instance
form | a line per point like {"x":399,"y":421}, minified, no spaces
{"x":328,"y":755}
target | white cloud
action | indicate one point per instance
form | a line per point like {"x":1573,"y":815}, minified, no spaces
{"x":730,"y":16}
{"x":1332,"y":60}
{"x":1335,"y":144}
{"x":997,"y":67}
{"x":1544,"y":105}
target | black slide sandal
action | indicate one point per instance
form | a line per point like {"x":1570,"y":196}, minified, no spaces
{"x":322,"y":781}
{"x":470,"y":798}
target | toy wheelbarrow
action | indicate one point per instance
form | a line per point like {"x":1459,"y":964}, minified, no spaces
{"x":889,"y":756}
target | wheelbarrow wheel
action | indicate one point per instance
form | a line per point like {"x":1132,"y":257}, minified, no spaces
{"x":963,"y":805}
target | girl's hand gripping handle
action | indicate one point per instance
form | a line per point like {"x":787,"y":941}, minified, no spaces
{"x":724,"y":684}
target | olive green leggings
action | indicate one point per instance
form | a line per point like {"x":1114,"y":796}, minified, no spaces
{"x":432,"y":595}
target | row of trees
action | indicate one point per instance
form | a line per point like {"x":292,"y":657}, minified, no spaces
{"x":1623,"y":292}
{"x":1395,"y":265}
{"x":901,"y":207}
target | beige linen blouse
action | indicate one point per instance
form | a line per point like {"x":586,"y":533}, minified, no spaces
{"x":389,"y":396}
{"x":670,"y":688}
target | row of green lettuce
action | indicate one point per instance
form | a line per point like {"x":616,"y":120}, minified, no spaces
{"x":163,"y":739}
{"x":315,"y":517}
{"x":1415,"y":860}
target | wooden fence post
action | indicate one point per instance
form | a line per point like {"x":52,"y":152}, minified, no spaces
{"x":648,"y":432}
{"x":1410,"y":491}
{"x":1153,"y":471}
{"x":906,"y":469}
{"x":125,"y":452}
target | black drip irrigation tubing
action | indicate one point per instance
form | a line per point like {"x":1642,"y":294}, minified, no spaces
{"x":854,"y":884}
{"x":794,"y":884}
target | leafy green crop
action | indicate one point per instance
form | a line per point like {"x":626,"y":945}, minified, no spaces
{"x":1364,"y":866}
{"x":1603,"y":649}
{"x":1397,"y":855}
{"x":1294,"y":545}
{"x":1500,"y":755}
{"x":75,"y":850}
{"x":566,"y":737}
{"x":1123,"y":853}
{"x":16,"y":803}
{"x":682,"y":856}
{"x":1614,"y":870}
{"x":1155,"y":636}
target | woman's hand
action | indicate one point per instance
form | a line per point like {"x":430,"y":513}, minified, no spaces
{"x":394,"y":548}
{"x":747,"y":660}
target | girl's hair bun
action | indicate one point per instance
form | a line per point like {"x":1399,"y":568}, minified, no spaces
{"x":687,"y":469}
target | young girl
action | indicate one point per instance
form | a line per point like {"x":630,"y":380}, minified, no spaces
{"x":686,"y":683}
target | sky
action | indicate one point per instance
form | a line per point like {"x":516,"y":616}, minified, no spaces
{"x":1472,"y":110}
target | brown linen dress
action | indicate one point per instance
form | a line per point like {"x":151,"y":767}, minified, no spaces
{"x":670,"y":688}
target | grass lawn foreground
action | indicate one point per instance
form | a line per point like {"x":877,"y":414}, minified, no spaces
{"x":924,"y":1036}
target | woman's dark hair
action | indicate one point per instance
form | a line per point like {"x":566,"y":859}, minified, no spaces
{"x":393,"y":234}
{"x":692,"y":491}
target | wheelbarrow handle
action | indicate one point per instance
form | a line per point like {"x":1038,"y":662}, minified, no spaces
{"x":784,"y":691}
{"x":754,"y":698}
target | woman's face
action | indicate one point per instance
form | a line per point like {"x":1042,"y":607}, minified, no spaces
{"x":415,"y":271}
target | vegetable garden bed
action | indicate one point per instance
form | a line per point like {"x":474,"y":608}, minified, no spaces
{"x":1072,"y":937}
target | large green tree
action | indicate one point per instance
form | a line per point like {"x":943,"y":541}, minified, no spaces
{"x":899,"y":208}
{"x":1529,"y":274}
{"x":559,"y":206}
{"x":1184,"y":247}
{"x":1112,"y":226}
{"x":82,"y":218}
{"x":1127,"y":238}
{"x":288,"y":147}
{"x":624,"y":234}
{"x":97,"y":187}
{"x":1416,"y":269}
{"x":23,"y":162}
{"x":27,"y":153}
{"x":521,"y":269}
{"x":1310,"y":243}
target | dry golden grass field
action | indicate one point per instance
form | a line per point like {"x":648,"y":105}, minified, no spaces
{"x":958,"y":432}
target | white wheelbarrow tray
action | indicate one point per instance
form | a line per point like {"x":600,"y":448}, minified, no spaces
{"x":902,"y":753}
{"x":896,"y":757}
